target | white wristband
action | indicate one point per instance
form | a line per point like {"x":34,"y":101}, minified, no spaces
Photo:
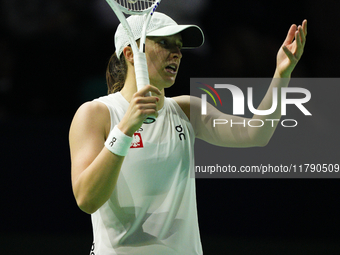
{"x":117,"y":142}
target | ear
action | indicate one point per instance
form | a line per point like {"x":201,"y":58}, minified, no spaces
{"x":128,"y":53}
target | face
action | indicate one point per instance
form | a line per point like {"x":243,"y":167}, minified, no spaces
{"x":163,"y":57}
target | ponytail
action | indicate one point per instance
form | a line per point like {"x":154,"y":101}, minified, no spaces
{"x":116,"y":73}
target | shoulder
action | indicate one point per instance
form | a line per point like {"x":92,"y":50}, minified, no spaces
{"x":92,"y":115}
{"x":93,"y":109}
{"x":184,"y":103}
{"x":187,"y":102}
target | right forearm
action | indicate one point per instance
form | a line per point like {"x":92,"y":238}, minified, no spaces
{"x":96,"y":183}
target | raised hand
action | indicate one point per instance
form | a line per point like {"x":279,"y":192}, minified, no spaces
{"x":291,"y":50}
{"x":140,"y":108}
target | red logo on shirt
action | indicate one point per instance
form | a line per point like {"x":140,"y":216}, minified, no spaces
{"x":137,"y":141}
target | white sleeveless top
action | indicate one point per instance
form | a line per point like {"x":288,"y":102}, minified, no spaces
{"x":152,"y":209}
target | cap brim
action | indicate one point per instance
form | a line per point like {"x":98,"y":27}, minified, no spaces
{"x":192,"y":35}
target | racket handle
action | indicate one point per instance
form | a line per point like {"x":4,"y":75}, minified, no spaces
{"x":142,"y":77}
{"x":141,"y":70}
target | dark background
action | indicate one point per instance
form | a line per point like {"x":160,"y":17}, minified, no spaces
{"x":53,"y":56}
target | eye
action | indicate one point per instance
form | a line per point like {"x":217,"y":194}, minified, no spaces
{"x":166,"y":43}
{"x":163,"y":42}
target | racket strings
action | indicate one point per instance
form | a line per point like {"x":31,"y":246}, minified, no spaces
{"x":136,"y":5}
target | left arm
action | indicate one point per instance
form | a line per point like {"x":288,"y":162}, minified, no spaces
{"x":244,"y":135}
{"x":287,"y":58}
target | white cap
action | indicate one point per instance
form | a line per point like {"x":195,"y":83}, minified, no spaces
{"x":160,"y":25}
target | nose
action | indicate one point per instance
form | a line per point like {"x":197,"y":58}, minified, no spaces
{"x":176,"y":52}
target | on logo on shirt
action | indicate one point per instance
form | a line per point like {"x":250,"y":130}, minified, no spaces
{"x":180,"y":130}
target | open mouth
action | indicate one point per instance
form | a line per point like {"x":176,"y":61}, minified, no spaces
{"x":171,"y":69}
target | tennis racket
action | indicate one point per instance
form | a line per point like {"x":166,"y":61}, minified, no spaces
{"x":137,"y":7}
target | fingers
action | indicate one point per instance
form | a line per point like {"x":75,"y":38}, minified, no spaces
{"x":145,"y":101}
{"x":140,"y":107}
{"x":146,"y":89}
{"x":299,"y":41}
{"x":290,"y":35}
{"x":144,"y":110}
{"x":304,"y":27}
{"x":289,"y":54}
{"x":301,"y":33}
{"x":295,"y":41}
{"x":300,"y":37}
{"x":144,"y":104}
{"x":301,"y":30}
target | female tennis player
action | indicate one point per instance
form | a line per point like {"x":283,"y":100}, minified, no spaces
{"x":134,"y":178}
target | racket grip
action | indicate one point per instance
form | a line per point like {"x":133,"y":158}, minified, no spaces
{"x":142,"y":77}
{"x":141,"y":70}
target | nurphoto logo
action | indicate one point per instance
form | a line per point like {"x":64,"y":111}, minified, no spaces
{"x":239,"y":104}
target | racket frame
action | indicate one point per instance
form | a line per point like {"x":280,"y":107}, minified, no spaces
{"x":141,"y":68}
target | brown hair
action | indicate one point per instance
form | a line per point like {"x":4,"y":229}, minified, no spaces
{"x":116,"y":73}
